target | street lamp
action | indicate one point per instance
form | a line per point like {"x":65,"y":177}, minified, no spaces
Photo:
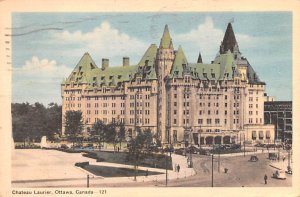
{"x":212,"y":170}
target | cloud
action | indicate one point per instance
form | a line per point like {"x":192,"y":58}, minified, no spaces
{"x":104,"y":41}
{"x":42,"y":68}
{"x":38,"y":79}
{"x":206,"y":38}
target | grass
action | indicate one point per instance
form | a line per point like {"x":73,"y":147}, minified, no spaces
{"x":148,"y":160}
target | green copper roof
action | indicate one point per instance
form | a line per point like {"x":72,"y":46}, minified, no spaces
{"x":179,"y":61}
{"x":166,"y":40}
{"x":83,"y":70}
{"x":86,"y":71}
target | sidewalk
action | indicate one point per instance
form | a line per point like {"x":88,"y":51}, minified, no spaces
{"x":51,"y":168}
{"x":176,"y":159}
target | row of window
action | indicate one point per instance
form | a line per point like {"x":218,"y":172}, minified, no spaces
{"x":251,"y":106}
{"x":139,"y":120}
{"x":256,"y":120}
{"x":209,"y":121}
{"x":251,"y":99}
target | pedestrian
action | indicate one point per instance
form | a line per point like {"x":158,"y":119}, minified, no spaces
{"x":178,"y":167}
{"x":266,"y":178}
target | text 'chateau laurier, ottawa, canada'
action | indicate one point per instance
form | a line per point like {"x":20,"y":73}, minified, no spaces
{"x":217,"y":103}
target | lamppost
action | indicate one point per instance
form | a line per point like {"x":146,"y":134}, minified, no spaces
{"x":212,"y":170}
{"x":244,"y":146}
{"x":166,"y":156}
{"x":191,"y":158}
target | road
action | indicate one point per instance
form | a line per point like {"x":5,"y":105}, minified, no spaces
{"x":241,"y":173}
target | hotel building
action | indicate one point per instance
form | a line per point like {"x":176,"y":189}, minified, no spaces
{"x":219,"y":102}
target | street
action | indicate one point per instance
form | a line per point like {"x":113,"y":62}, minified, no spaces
{"x":241,"y":173}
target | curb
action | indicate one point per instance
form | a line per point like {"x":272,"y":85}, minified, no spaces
{"x":275,"y":167}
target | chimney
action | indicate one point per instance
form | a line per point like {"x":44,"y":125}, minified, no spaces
{"x":125,"y":61}
{"x":105,"y":63}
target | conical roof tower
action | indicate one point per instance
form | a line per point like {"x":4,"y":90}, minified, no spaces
{"x":166,"y":40}
{"x":229,"y":42}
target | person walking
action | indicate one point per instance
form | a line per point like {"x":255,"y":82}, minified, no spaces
{"x":266,"y":178}
{"x":178,"y":168}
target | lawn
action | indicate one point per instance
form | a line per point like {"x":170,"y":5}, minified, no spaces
{"x":153,"y":160}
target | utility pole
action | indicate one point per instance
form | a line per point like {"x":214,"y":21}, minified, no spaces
{"x":244,"y":146}
{"x":166,"y":169}
{"x":219,"y":160}
{"x":212,"y":170}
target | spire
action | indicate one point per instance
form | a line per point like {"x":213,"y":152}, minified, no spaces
{"x":166,"y":40}
{"x":199,"y":58}
{"x":229,"y":41}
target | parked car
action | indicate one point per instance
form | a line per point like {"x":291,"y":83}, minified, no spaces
{"x":253,"y":158}
{"x":64,"y":146}
{"x":279,"y":174}
{"x":273,"y":156}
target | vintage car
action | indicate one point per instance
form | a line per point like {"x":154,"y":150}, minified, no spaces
{"x":279,"y":174}
{"x":253,"y":158}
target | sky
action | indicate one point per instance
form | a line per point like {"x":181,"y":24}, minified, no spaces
{"x":47,"y":46}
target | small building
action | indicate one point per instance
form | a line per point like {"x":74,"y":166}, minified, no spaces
{"x":279,"y":113}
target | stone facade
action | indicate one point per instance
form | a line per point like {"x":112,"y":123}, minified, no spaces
{"x":179,"y":101}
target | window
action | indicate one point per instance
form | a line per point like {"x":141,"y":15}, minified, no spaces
{"x":225,"y":97}
{"x":225,"y":112}
{"x":261,"y":135}
{"x":174,"y":136}
{"x":208,"y":112}
{"x":253,"y":135}
{"x":175,"y":122}
{"x":268,"y":136}
{"x":217,"y":121}
{"x":175,"y":95}
{"x":225,"y":104}
{"x":200,"y":121}
{"x":175,"y":112}
{"x":175,"y":104}
{"x":208,"y":121}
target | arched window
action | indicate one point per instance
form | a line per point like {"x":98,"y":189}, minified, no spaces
{"x":253,"y":135}
{"x":261,"y":135}
{"x":268,"y":135}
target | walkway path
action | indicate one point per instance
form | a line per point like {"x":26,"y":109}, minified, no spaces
{"x":50,"y":168}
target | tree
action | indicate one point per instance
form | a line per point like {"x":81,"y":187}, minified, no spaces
{"x":53,"y":124}
{"x":73,"y":124}
{"x":121,"y":132}
{"x":31,"y":122}
{"x":98,"y":131}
